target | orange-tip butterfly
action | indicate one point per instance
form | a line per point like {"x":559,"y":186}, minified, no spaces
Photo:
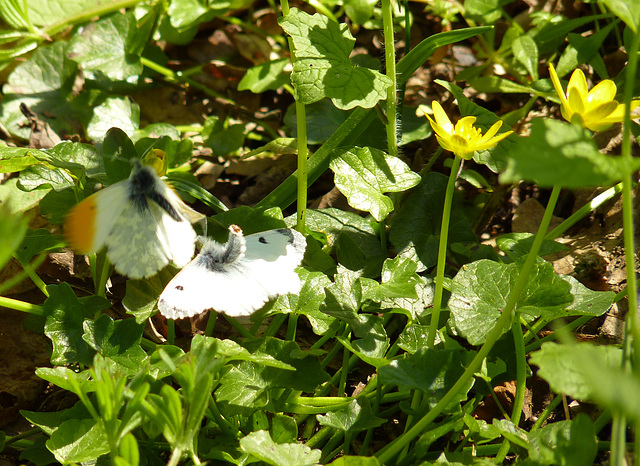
{"x":236,"y":278}
{"x":141,"y":221}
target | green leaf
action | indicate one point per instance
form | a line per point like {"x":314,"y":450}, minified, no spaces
{"x":37,"y":176}
{"x":415,"y":228}
{"x":479,"y":293}
{"x":15,"y":200}
{"x":553,"y":34}
{"x":117,"y":341}
{"x":43,"y":83}
{"x":77,"y":441}
{"x":356,"y":417}
{"x":483,"y":11}
{"x":356,"y":461}
{"x":61,"y":376}
{"x":37,"y":242}
{"x":185,"y":14}
{"x":65,"y":315}
{"x":398,"y":280}
{"x":247,"y":386}
{"x":308,"y":301}
{"x":559,"y":153}
{"x":359,"y":11}
{"x":501,"y":85}
{"x":13,"y":229}
{"x":582,"y":49}
{"x":222,"y":137}
{"x":364,"y":174}
{"x":265,"y":76}
{"x":284,"y":429}
{"x":562,"y":366}
{"x":564,"y":442}
{"x":586,"y":301}
{"x":114,"y":112}
{"x":374,"y":344}
{"x":525,"y":51}
{"x":433,"y":372}
{"x":118,"y":152}
{"x":516,"y":245}
{"x":46,"y":12}
{"x":627,"y":11}
{"x":413,"y":337}
{"x":322,"y":67}
{"x":322,"y":117}
{"x":259,"y":445}
{"x":105,"y":49}
{"x":141,"y":295}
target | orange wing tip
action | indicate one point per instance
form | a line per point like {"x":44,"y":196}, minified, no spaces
{"x":80,"y":228}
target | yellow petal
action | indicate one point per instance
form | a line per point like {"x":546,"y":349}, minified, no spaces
{"x":578,"y":82}
{"x":492,"y":131}
{"x":493,"y":141}
{"x":603,"y":91}
{"x":558,"y":87}
{"x":441,"y":117}
{"x":600,"y":112}
{"x":439,"y":130}
{"x":576,"y":102}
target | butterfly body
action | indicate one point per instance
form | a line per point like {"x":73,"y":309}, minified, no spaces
{"x":238,"y":277}
{"x":142,"y":222}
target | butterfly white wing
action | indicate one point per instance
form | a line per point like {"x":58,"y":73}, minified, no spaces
{"x":89,"y":223}
{"x":237,"y":278}
{"x":141,"y":238}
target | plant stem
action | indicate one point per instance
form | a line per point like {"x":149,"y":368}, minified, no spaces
{"x":303,"y":154}
{"x":442,"y":252}
{"x":521,"y":380}
{"x":301,"y":128}
{"x":502,"y":324}
{"x":629,"y":244}
{"x":584,"y":210}
{"x":21,"y":306}
{"x":390,"y":62}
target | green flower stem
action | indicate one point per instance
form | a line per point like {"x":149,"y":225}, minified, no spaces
{"x":302,"y":172}
{"x":628,"y":207}
{"x":502,"y":324}
{"x":442,"y":252}
{"x":629,"y":248}
{"x":301,"y":128}
{"x":584,"y":211}
{"x":521,"y":381}
{"x":37,"y":281}
{"x":390,"y":61}
{"x":21,"y":306}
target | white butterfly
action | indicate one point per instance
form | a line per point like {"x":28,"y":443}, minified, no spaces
{"x":238,"y":277}
{"x":142,"y":222}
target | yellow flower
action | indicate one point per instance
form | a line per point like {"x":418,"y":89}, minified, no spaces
{"x":595,"y":109}
{"x":463,"y":139}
